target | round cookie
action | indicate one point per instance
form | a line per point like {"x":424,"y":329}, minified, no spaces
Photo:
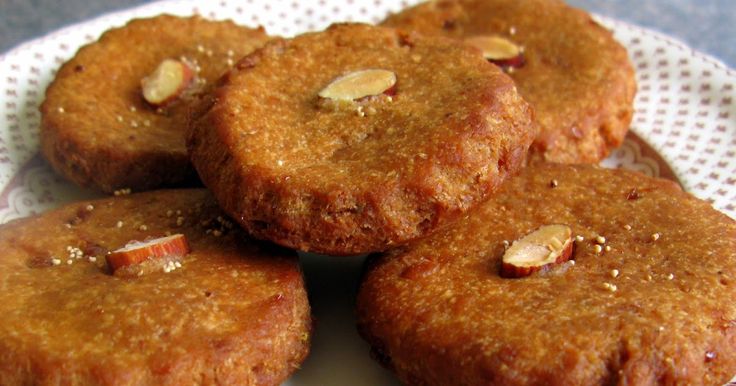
{"x":99,"y":131}
{"x":648,"y":302}
{"x":575,"y":75}
{"x":232,"y":311}
{"x":296,"y":165}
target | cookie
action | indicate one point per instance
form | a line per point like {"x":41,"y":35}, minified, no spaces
{"x":357,"y":138}
{"x":575,"y":75}
{"x":645,"y":298}
{"x":231,"y":311}
{"x":97,"y":127}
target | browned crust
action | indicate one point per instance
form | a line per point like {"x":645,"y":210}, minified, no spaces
{"x":97,"y":140}
{"x":576,"y":76}
{"x":108,"y":169}
{"x":198,"y":325}
{"x":438,"y":313}
{"x":381,"y":189}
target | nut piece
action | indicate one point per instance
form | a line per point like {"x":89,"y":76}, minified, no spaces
{"x":136,"y":252}
{"x":498,"y":50}
{"x":360,"y":84}
{"x":170,"y":79}
{"x":540,"y":249}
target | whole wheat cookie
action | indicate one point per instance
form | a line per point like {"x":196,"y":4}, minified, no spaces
{"x":357,"y":138}
{"x":570,"y":275}
{"x":203,"y":304}
{"x":572,"y":72}
{"x":115,"y":115}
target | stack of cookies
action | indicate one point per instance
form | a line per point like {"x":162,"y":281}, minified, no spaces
{"x":455,"y":143}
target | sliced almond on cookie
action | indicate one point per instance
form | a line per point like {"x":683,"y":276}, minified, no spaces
{"x":136,"y":252}
{"x":540,"y":249}
{"x":360,"y":84}
{"x":165,"y":84}
{"x":498,"y":50}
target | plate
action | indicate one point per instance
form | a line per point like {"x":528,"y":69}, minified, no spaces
{"x":684,"y":128}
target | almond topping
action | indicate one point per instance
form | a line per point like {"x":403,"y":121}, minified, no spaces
{"x":136,"y":252}
{"x":360,"y":84}
{"x":170,"y":79}
{"x":498,"y":50}
{"x":540,"y":249}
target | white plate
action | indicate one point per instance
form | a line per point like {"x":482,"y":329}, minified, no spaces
{"x":684,"y":128}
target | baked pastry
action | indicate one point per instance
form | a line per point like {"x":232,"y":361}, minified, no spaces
{"x":357,"y":138}
{"x":644,"y":298}
{"x":230,"y":311}
{"x":571,"y":70}
{"x":114,"y":117}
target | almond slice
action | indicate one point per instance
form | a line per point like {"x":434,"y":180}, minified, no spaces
{"x":360,"y":84}
{"x":498,"y":50}
{"x":170,"y":79}
{"x":540,"y":249}
{"x":136,"y":252}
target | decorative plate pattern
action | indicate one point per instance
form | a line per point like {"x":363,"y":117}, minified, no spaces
{"x":684,"y":129}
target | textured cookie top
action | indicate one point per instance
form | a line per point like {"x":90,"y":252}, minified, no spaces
{"x":647,"y":301}
{"x":351,"y":176}
{"x":98,"y":130}
{"x":231,"y":311}
{"x":576,"y":76}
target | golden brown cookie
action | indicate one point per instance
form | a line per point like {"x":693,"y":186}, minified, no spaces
{"x":99,"y":131}
{"x":575,"y":75}
{"x":357,"y":138}
{"x":647,"y":300}
{"x":230,"y":312}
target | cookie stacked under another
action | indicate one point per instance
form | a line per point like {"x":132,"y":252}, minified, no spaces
{"x":99,"y":130}
{"x":357,"y":138}
{"x":572,"y":72}
{"x":644,"y":298}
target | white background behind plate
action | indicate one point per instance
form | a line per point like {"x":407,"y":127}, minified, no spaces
{"x":685,"y":110}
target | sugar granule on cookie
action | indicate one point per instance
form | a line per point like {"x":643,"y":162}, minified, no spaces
{"x":357,"y":138}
